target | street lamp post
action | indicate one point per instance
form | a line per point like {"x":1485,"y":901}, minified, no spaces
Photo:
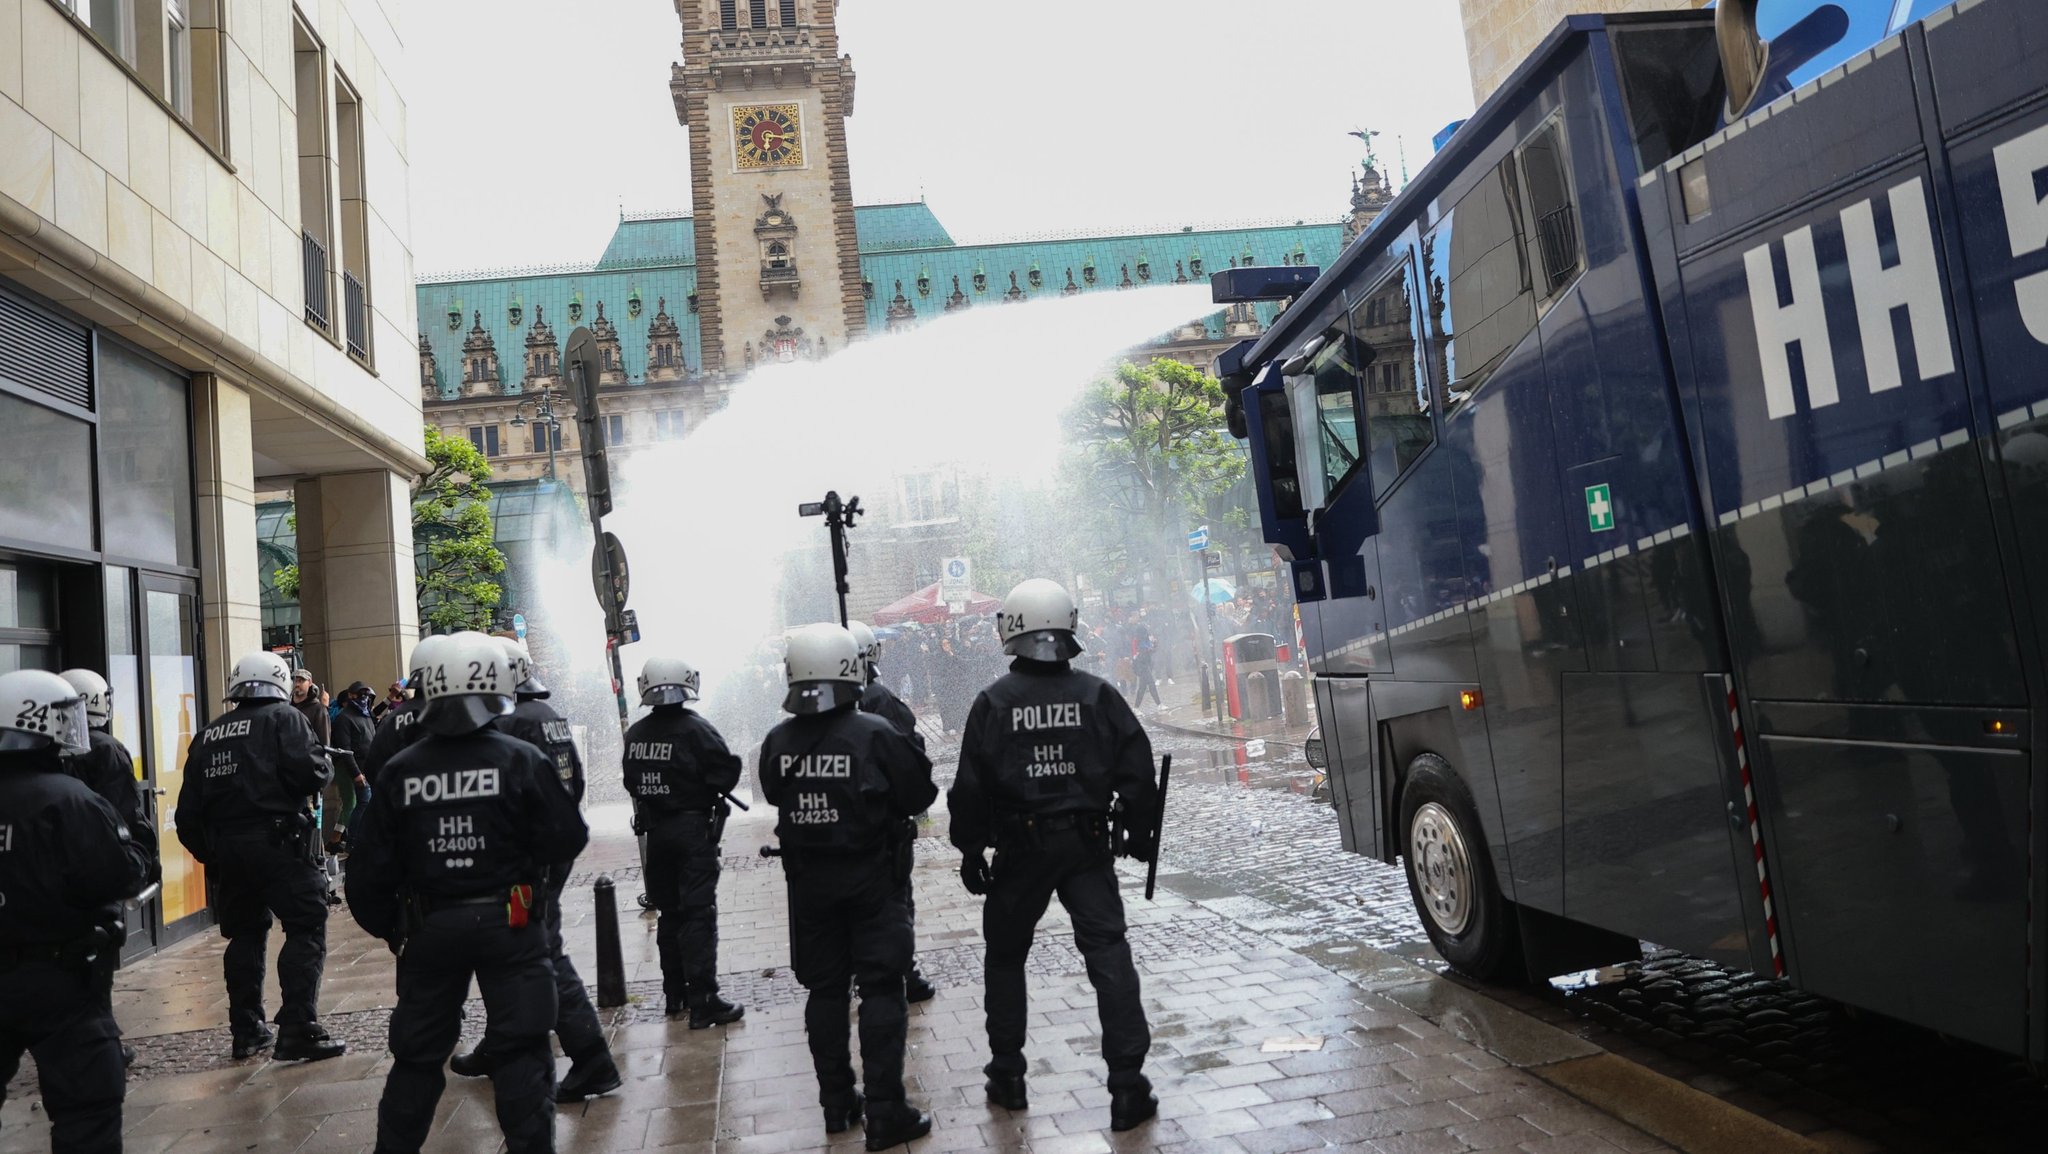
{"x":543,"y":412}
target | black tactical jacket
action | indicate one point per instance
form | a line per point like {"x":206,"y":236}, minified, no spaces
{"x":1046,"y":739}
{"x":842,"y":782}
{"x":535,"y":722}
{"x":676,"y":762}
{"x":66,"y":858}
{"x":257,"y":763}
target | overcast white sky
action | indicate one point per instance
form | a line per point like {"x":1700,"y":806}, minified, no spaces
{"x":530,"y":126}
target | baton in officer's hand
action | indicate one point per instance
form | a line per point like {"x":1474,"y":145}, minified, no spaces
{"x":736,"y":802}
{"x":1158,"y":827}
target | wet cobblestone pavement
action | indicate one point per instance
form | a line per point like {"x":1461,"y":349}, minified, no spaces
{"x":1260,"y":910}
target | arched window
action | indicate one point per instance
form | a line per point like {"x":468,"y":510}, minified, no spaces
{"x":778,"y":254}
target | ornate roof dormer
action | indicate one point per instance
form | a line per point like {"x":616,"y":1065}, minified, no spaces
{"x":543,"y":355}
{"x":901,"y":315}
{"x":664,"y":346}
{"x":430,"y":371}
{"x":611,"y":360}
{"x":479,"y":360}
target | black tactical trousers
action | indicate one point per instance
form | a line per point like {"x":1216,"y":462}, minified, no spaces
{"x":682,"y":879}
{"x":575,"y":1018}
{"x":517,"y":982}
{"x":848,"y":926}
{"x":1080,"y":870}
{"x":255,"y":878}
{"x":56,"y":1014}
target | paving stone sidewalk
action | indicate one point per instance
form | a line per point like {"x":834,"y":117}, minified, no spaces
{"x":1258,"y":1046}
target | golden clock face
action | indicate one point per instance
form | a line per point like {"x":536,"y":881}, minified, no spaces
{"x":767,"y":135}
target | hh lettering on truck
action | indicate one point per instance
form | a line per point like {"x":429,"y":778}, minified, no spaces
{"x":450,"y":785}
{"x":1059,"y":715}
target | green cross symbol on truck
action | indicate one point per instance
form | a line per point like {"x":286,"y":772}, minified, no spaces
{"x":1599,"y":508}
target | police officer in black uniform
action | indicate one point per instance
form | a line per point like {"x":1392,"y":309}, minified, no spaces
{"x":399,"y":727}
{"x":843,"y":782}
{"x":1043,"y":752}
{"x":66,"y":863}
{"x":244,"y":812}
{"x":591,"y":1069}
{"x":877,"y":698}
{"x":108,"y":769}
{"x":678,"y":771}
{"x":450,"y":868}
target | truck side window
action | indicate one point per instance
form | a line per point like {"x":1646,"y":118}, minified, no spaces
{"x":1278,"y":423}
{"x":1546,"y":176}
{"x":1477,"y":284}
{"x":1398,"y":425}
{"x":1323,"y":386}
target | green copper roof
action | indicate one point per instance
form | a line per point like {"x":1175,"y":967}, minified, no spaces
{"x":653,"y":259}
{"x":889,"y":227}
{"x":1147,"y":259}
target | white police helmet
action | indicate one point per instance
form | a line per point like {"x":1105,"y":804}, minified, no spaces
{"x":520,"y":661}
{"x":467,"y":684}
{"x":260,"y":677}
{"x":42,"y":710}
{"x":1038,"y":621}
{"x":99,"y":696}
{"x":423,"y":656}
{"x":668,"y":680}
{"x":824,"y":668}
{"x":865,"y":640}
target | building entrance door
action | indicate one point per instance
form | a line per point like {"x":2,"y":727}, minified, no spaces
{"x":172,"y":713}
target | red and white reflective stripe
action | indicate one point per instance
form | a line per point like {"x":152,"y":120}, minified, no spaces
{"x":1756,"y":834}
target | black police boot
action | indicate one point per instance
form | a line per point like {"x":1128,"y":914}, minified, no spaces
{"x":895,"y":1123}
{"x":478,"y":1063}
{"x":1132,"y":1106}
{"x":588,"y":1079}
{"x":916,"y":989}
{"x":253,"y":1044}
{"x":307,"y":1043}
{"x":841,"y":1117}
{"x":712,"y":1010}
{"x":1007,"y":1091}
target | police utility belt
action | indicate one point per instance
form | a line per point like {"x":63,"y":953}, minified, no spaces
{"x":520,"y":904}
{"x":1024,"y":830}
{"x":77,"y":953}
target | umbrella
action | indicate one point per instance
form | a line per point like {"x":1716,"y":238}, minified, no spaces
{"x":1221,"y":592}
{"x":924,"y":606}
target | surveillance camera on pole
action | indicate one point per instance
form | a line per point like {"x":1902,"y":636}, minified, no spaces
{"x":839,"y":517}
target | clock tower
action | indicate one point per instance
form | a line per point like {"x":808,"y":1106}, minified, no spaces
{"x":765,"y":96}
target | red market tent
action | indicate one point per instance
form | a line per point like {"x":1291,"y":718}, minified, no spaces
{"x":925,"y":608}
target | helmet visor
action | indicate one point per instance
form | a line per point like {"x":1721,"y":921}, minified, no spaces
{"x":1044,"y":645}
{"x":257,"y":691}
{"x":820,"y":696}
{"x":454,"y":716}
{"x":667,"y":695}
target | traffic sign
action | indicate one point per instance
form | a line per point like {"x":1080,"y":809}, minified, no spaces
{"x":1198,"y":539}
{"x":519,"y":626}
{"x":610,"y":597}
{"x":1599,"y":508}
{"x":956,"y":579}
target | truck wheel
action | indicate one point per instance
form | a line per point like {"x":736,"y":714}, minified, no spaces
{"x":1450,"y":873}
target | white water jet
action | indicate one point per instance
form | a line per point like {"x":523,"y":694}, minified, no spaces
{"x":708,"y":521}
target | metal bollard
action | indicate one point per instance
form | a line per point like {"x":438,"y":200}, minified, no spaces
{"x":611,"y":961}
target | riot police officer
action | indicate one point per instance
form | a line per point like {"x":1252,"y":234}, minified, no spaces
{"x":591,"y":1069}
{"x":108,"y":769}
{"x":244,"y":812}
{"x":877,"y":698}
{"x":1044,"y":750}
{"x":449,"y":867}
{"x":678,"y":773}
{"x":843,"y":782}
{"x":66,"y":863}
{"x":399,"y":727}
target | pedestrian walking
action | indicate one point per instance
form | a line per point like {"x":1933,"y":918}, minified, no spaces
{"x":311,"y":701}
{"x":679,"y":773}
{"x":843,"y":782}
{"x":449,"y":868}
{"x":1048,"y":752}
{"x":108,"y":769}
{"x":876,"y":698}
{"x":66,"y":863}
{"x":245,"y":813}
{"x":592,"y":1072}
{"x":1143,"y":646}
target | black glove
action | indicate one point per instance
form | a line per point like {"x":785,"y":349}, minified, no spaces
{"x":1141,"y":845}
{"x":639,"y":824}
{"x":974,"y":872}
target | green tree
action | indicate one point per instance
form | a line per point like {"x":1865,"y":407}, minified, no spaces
{"x":1149,"y":449}
{"x":456,"y":560}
